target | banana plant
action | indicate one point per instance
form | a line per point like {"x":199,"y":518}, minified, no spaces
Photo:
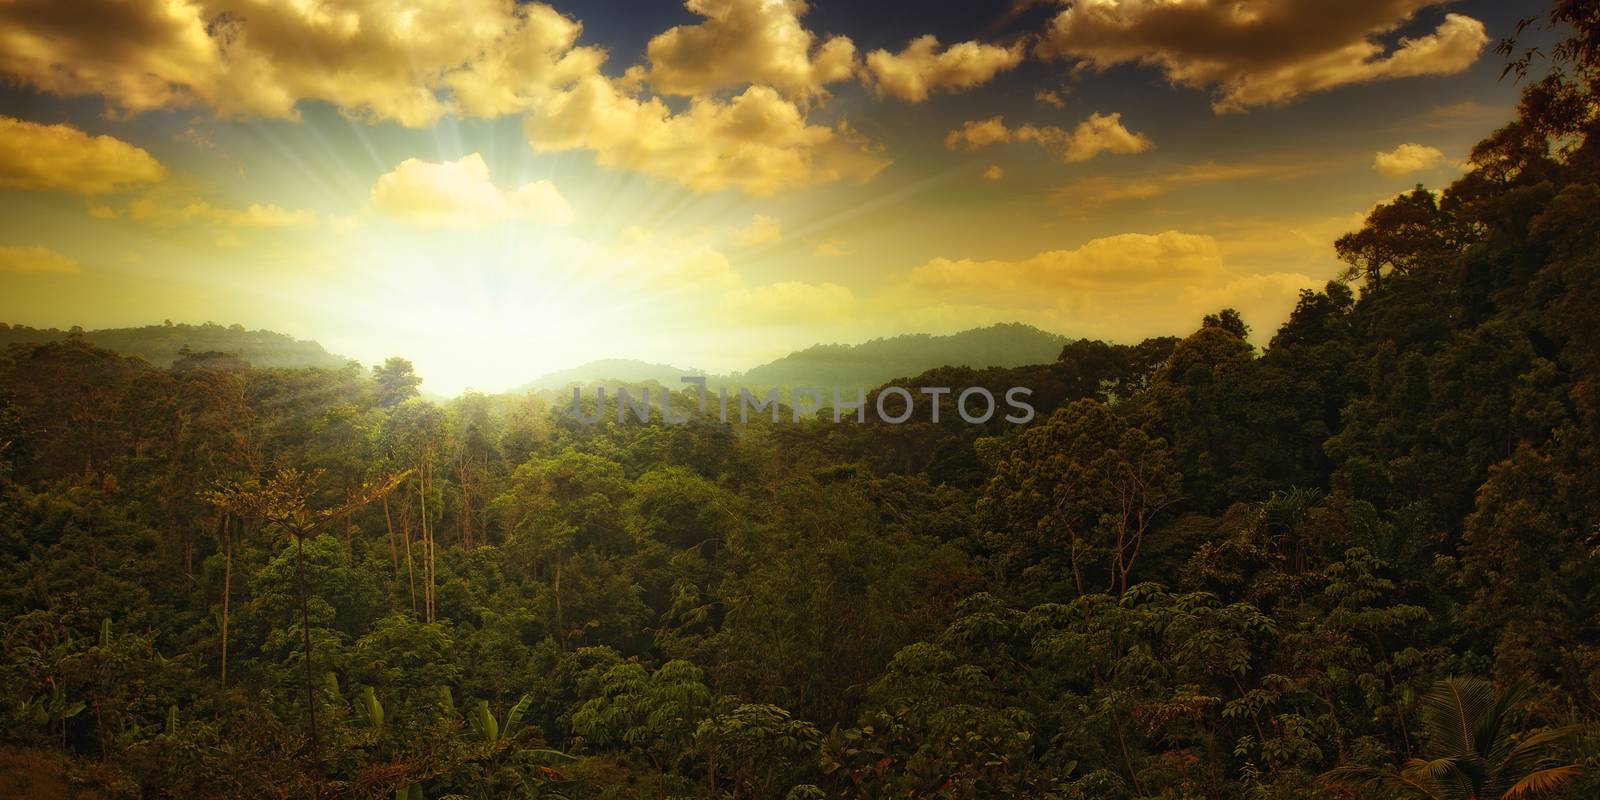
{"x":495,"y":731}
{"x":372,"y":708}
{"x":51,"y":710}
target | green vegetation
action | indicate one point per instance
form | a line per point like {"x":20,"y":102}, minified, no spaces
{"x":164,"y":345}
{"x":1363,"y":562}
{"x":829,"y":366}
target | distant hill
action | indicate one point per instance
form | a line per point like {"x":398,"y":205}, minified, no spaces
{"x":824,"y":366}
{"x":621,"y":370}
{"x":162,"y":344}
{"x":874,"y":362}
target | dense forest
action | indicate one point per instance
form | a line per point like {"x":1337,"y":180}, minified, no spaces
{"x":1362,"y":561}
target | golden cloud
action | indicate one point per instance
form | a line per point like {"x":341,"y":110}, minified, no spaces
{"x":35,"y":260}
{"x":1121,"y":287}
{"x":1273,"y":52}
{"x":921,"y":68}
{"x":745,"y":42}
{"x":1100,"y":133}
{"x":1408,"y":158}
{"x":757,"y":142}
{"x":250,"y":58}
{"x":761,"y":230}
{"x":61,"y":157}
{"x":459,"y":194}
{"x":484,"y":58}
{"x":171,"y":207}
{"x":1101,"y":189}
{"x":974,"y":135}
{"x":790,"y":302}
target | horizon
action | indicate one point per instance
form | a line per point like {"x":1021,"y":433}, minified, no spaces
{"x":525,"y":383}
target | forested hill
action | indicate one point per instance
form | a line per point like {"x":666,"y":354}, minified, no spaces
{"x":161,"y":345}
{"x":621,"y":370}
{"x":826,"y":366}
{"x":873,"y":362}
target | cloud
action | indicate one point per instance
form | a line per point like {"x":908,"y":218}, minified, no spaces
{"x":171,"y":208}
{"x":1408,"y":158}
{"x":459,"y":194}
{"x":994,"y":173}
{"x":977,"y":134}
{"x":140,"y":56}
{"x":1100,"y":133}
{"x":1122,"y":287}
{"x":830,"y":248}
{"x":757,"y":142}
{"x":35,"y":260}
{"x":790,"y":302}
{"x":761,"y":230}
{"x":1051,"y":97}
{"x":412,"y":66}
{"x":61,"y":157}
{"x":1102,"y":189}
{"x":1269,"y":52}
{"x":920,"y":69}
{"x":483,"y":58}
{"x":744,"y":42}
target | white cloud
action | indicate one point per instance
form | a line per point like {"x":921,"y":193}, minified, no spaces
{"x":460,"y":194}
{"x":920,"y":69}
{"x":1408,"y":158}
{"x":61,"y":157}
{"x":1263,"y":53}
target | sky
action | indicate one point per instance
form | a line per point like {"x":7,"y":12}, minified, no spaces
{"x":496,"y":189}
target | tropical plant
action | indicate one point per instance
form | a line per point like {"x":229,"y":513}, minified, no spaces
{"x":1473,"y":751}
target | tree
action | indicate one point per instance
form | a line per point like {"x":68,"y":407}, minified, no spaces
{"x":284,"y":501}
{"x":1473,"y":750}
{"x":655,"y":714}
{"x":1085,"y":487}
{"x":1407,"y":234}
{"x":396,"y":380}
{"x":555,"y":508}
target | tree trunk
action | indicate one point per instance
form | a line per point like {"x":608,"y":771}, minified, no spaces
{"x":305,"y":630}
{"x":227,"y":593}
{"x":561,"y":626}
{"x":388,"y":524}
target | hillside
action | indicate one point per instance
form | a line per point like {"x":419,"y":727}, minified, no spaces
{"x":622,"y":370}
{"x":162,"y":344}
{"x":873,"y":362}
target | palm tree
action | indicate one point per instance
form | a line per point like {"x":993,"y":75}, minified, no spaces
{"x":1472,"y":752}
